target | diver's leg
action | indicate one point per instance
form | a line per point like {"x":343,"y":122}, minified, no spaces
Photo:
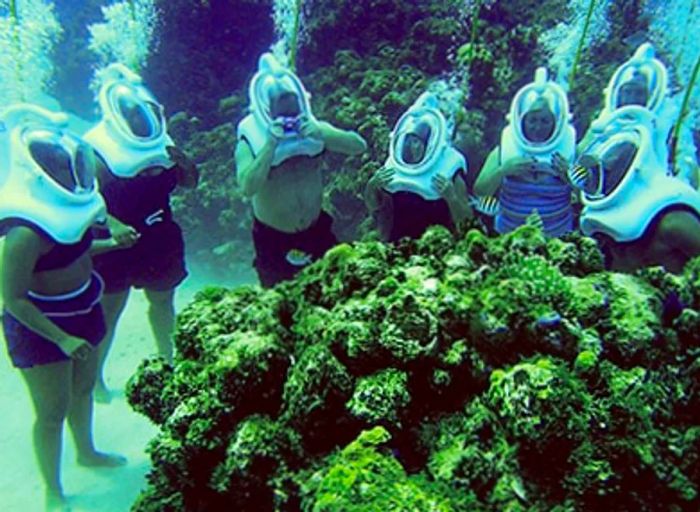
{"x":113,"y":305}
{"x":161,"y":314}
{"x":80,"y":414}
{"x":50,"y":388}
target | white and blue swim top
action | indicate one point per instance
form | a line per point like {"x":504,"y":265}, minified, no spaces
{"x":275,"y":92}
{"x":420,"y":148}
{"x":47,"y":174}
{"x":625,"y":184}
{"x":643,"y":68}
{"x":132,"y":133}
{"x":541,"y":91}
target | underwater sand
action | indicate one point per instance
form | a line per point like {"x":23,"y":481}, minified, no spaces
{"x":116,"y":427}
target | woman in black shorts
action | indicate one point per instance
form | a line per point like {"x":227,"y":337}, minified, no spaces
{"x":141,"y":169}
{"x":52,"y":319}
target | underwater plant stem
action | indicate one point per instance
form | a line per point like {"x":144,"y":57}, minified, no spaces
{"x":295,"y":36}
{"x":589,"y":15}
{"x":684,"y":109}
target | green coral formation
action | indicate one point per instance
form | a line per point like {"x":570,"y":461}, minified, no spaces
{"x":507,"y":373}
{"x":365,"y":477}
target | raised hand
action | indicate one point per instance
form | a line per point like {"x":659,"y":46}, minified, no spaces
{"x":310,"y":128}
{"x":382,"y":178}
{"x":445,"y":187}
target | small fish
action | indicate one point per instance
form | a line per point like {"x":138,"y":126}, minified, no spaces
{"x":578,"y":176}
{"x":549,"y":321}
{"x":488,"y":205}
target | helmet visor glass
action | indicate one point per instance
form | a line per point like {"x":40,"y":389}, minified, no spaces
{"x":142,"y":118}
{"x":85,"y":164}
{"x":67,"y":161}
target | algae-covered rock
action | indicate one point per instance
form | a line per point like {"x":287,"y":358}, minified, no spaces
{"x":364,"y":476}
{"x":250,"y":371}
{"x":381,"y":398}
{"x":145,"y":390}
{"x":512,"y":373}
{"x":315,"y":393}
{"x":256,"y":450}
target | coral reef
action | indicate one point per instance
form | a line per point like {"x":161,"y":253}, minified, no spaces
{"x":448,"y":373}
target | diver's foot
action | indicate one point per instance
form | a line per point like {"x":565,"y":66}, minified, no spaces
{"x":102,"y":460}
{"x":102,"y":394}
{"x":56,"y":502}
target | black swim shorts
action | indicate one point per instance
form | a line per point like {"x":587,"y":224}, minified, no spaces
{"x":78,"y":313}
{"x":156,"y":262}
{"x":280,"y":256}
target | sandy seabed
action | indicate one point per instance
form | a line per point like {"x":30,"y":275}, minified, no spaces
{"x":116,"y":427}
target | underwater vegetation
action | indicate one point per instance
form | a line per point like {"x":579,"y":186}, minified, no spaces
{"x":446,"y":373}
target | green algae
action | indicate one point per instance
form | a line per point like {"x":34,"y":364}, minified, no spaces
{"x":507,"y":373}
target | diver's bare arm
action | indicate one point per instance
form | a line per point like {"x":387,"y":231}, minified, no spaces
{"x":490,"y":177}
{"x":342,"y":141}
{"x":254,"y":170}
{"x":375,"y":198}
{"x":22,"y":249}
{"x":492,"y":173}
{"x":681,"y":230}
{"x":459,"y":203}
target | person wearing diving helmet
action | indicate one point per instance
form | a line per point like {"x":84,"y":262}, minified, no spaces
{"x":527,"y":171}
{"x":52,"y":318}
{"x":141,"y":168}
{"x":643,"y":81}
{"x":278,"y":166}
{"x":422,"y":183}
{"x":640,"y":213}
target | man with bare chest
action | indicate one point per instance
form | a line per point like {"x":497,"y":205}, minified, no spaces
{"x":278,"y":160}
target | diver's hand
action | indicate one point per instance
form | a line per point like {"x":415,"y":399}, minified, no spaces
{"x":124,"y":236}
{"x":75,"y":348}
{"x":309,"y":128}
{"x":579,"y":173}
{"x":276,"y":130}
{"x":560,"y":165}
{"x":178,"y":157}
{"x":185,"y":168}
{"x":444,"y":187}
{"x":517,"y":165}
{"x":381,"y":178}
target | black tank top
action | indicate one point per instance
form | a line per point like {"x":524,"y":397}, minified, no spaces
{"x":141,"y":201}
{"x":413,"y":215}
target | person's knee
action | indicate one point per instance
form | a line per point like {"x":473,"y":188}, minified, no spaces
{"x":161,"y":303}
{"x":53,"y":414}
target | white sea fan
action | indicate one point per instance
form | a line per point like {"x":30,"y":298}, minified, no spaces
{"x":561,"y":42}
{"x":26,"y":66}
{"x":126,"y":35}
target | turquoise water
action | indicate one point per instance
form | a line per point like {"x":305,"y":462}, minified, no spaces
{"x":481,"y":354}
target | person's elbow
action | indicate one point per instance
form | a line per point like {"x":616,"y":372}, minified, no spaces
{"x":350,"y":143}
{"x":481,"y":188}
{"x":247,"y":186}
{"x":358,"y":144}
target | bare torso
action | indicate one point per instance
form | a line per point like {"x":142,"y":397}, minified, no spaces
{"x":290,"y":199}
{"x":63,"y":280}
